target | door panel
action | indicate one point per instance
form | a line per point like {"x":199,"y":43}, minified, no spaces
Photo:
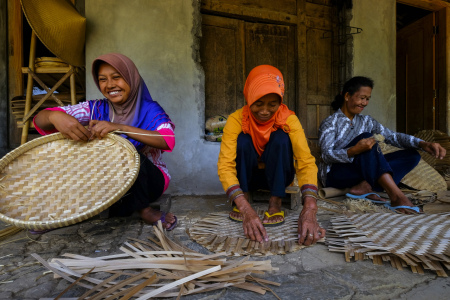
{"x":221,"y":53}
{"x":416,"y":76}
{"x":272,"y":45}
{"x":321,"y":65}
{"x":231,"y":48}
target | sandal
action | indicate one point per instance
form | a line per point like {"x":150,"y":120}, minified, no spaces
{"x":163,"y":220}
{"x":281,"y":213}
{"x":235,"y":209}
{"x":415,"y":209}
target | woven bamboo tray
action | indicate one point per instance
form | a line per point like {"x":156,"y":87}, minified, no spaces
{"x":52,"y":182}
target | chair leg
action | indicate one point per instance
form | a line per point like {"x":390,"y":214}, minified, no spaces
{"x":295,"y":201}
{"x":73,"y":91}
{"x":26,"y":125}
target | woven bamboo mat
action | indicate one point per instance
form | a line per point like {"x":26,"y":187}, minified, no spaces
{"x":217,"y":233}
{"x":422,"y":177}
{"x":52,"y":182}
{"x":416,"y":241}
{"x":435,"y":136}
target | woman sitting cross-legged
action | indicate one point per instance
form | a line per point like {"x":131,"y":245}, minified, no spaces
{"x":266,"y":131}
{"x":127,"y":107}
{"x":352,"y":158}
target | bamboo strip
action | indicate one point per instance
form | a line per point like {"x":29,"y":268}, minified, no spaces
{"x":73,"y":283}
{"x":127,"y":294}
{"x":99,"y":286}
{"x":178,"y":282}
{"x":118,"y":286}
{"x":251,"y":287}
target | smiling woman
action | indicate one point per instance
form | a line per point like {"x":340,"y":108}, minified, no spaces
{"x":112,"y":85}
{"x":128,"y":108}
{"x":352,"y":158}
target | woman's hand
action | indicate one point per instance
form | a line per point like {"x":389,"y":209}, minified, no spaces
{"x":253,"y":227}
{"x":68,"y":126}
{"x":362,"y":146}
{"x":100,"y":129}
{"x":309,"y":231}
{"x":434,"y":149}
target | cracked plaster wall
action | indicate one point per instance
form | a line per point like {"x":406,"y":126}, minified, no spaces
{"x":374,"y":55}
{"x":162,"y":38}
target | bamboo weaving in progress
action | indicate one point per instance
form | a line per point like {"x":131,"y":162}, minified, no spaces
{"x":217,"y":233}
{"x":416,"y":241}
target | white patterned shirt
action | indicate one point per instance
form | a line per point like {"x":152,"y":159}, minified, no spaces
{"x":337,"y":131}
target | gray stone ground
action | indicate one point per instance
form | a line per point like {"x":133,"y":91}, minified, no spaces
{"x":311,"y":273}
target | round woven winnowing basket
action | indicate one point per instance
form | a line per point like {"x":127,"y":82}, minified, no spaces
{"x":52,"y":182}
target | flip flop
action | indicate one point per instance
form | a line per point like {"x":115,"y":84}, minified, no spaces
{"x":163,"y":220}
{"x":281,"y":213}
{"x":394,"y":208}
{"x":365,"y":197}
{"x":235,"y":209}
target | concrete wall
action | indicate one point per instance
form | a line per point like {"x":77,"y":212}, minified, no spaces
{"x":374,"y":55}
{"x":161,"y":37}
{"x":4,"y":108}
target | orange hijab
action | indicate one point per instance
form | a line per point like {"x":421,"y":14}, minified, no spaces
{"x":263,"y":80}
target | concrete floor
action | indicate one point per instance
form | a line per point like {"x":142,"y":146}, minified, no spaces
{"x":311,"y":273}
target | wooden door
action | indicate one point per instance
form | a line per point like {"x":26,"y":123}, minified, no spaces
{"x":274,"y":45}
{"x":416,"y":76}
{"x":319,"y":74}
{"x":231,"y":48}
{"x":221,"y":51}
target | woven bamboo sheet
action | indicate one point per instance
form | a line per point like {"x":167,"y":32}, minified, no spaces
{"x":52,"y":182}
{"x":435,"y":136}
{"x":217,"y":233}
{"x":422,"y":177}
{"x":416,"y":241}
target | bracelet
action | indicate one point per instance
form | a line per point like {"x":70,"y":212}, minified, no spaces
{"x":309,"y":194}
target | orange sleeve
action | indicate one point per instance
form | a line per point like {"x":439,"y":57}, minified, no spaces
{"x":304,"y":162}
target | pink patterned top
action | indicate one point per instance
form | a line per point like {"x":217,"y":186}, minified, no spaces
{"x":82,"y":113}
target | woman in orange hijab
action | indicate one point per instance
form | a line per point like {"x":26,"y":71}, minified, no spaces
{"x":266,"y":132}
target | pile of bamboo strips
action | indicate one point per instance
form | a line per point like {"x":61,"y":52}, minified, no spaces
{"x":418,"y":241}
{"x":160,"y":268}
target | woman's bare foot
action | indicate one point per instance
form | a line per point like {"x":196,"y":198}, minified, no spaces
{"x":395,"y":194}
{"x":274,"y":207}
{"x":150,"y":216}
{"x":363,"y":188}
{"x":402,"y":200}
{"x":238,"y":215}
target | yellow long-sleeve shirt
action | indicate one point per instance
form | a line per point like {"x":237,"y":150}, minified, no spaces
{"x":304,"y":162}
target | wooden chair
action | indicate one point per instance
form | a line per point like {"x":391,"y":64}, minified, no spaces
{"x":33,"y":71}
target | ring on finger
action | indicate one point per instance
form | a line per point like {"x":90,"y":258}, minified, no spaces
{"x":311,"y":234}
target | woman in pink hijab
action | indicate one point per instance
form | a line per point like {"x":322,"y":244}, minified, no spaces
{"x":127,"y":107}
